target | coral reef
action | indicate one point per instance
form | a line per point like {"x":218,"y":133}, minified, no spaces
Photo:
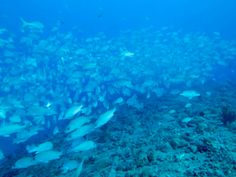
{"x":228,"y":115}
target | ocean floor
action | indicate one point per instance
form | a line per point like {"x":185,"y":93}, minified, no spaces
{"x":170,"y":136}
{"x":167,"y":139}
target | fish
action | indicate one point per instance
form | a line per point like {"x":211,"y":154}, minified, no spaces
{"x":1,"y":155}
{"x":46,"y":146}
{"x":9,"y":129}
{"x":82,"y":131}
{"x":33,"y":25}
{"x":69,"y":165}
{"x":71,"y":112}
{"x":15,"y":119}
{"x":79,"y":169}
{"x":133,"y":101}
{"x":48,"y":104}
{"x":76,"y":123}
{"x":84,"y":146}
{"x":104,"y":118}
{"x":3,"y":112}
{"x":127,"y":54}
{"x":24,"y":135}
{"x":118,"y":101}
{"x":56,"y":130}
{"x":190,"y":94}
{"x":24,"y":162}
{"x":47,"y":156}
{"x":3,"y":30}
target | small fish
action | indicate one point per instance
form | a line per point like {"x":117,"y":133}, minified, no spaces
{"x":3,"y":112}
{"x":46,"y":156}
{"x":118,"y":101}
{"x":71,"y":112}
{"x":76,"y":124}
{"x":69,"y":165}
{"x":104,"y":118}
{"x":9,"y":129}
{"x":79,"y":169}
{"x":190,"y":94}
{"x":84,"y":146}
{"x":15,"y":119}
{"x":34,"y":25}
{"x":82,"y":131}
{"x":2,"y":30}
{"x":56,"y":130}
{"x":24,"y":162}
{"x":127,"y":54}
{"x":48,"y":104}
{"x":39,"y":148}
{"x":1,"y":155}
{"x":24,"y":135}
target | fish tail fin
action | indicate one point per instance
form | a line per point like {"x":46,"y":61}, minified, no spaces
{"x":79,"y":169}
{"x":24,"y":23}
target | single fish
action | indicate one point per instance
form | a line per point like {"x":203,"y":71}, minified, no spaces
{"x":79,"y":169}
{"x":34,"y":25}
{"x":82,"y":131}
{"x":84,"y":146}
{"x":71,"y":112}
{"x":46,"y":146}
{"x":104,"y":118}
{"x":127,"y":54}
{"x":69,"y":165}
{"x":46,"y":156}
{"x":2,"y":30}
{"x":1,"y":155}
{"x":9,"y":129}
{"x":24,"y":162}
{"x":190,"y":94}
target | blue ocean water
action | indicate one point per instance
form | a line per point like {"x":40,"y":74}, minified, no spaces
{"x":102,"y":15}
{"x":117,"y":88}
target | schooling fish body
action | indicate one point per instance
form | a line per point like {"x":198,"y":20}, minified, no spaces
{"x":46,"y":146}
{"x":71,"y":112}
{"x":9,"y":129}
{"x":104,"y":118}
{"x":33,"y":25}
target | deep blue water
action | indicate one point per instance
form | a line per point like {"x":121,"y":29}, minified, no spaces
{"x":92,"y":16}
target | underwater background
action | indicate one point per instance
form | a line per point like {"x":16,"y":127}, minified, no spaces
{"x":99,"y":88}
